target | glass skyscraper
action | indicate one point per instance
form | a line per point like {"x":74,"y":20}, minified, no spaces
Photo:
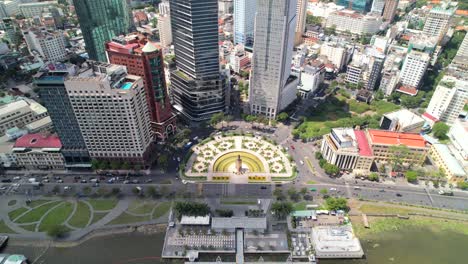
{"x":362,"y":6}
{"x":244,"y":21}
{"x":198,"y":87}
{"x":100,"y":21}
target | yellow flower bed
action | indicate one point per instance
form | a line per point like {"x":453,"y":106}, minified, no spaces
{"x":220,"y":178}
{"x":257,"y":178}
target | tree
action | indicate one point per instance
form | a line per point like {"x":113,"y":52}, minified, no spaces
{"x":191,"y":209}
{"x":379,"y":95}
{"x":126,"y":165}
{"x":440,"y":130}
{"x":318,"y":155}
{"x":331,"y":169}
{"x":462,"y":185}
{"x":163,"y":162}
{"x":57,"y":231}
{"x":225,"y":213}
{"x":293,"y":194}
{"x":56,"y":189}
{"x":115,"y":191}
{"x":313,"y":20}
{"x":216,"y":118}
{"x":304,"y":190}
{"x":278,"y":193}
{"x":250,"y":118}
{"x":96,"y":164}
{"x":115,"y":165}
{"x":87,"y":190}
{"x":283,"y":116}
{"x":412,"y":176}
{"x":152,"y":192}
{"x":373,"y":177}
{"x":136,"y":190}
{"x":282,"y":209}
{"x":337,"y":204}
{"x":398,"y":154}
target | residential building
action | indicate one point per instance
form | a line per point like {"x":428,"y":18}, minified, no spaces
{"x":362,"y":6}
{"x":354,"y":22}
{"x":239,"y":59}
{"x":414,"y":68}
{"x":310,"y":79}
{"x":51,"y":84}
{"x":272,"y":87}
{"x":354,"y":74}
{"x":244,"y":21}
{"x":165,"y":30}
{"x":337,"y":53}
{"x":378,"y":6}
{"x":374,"y":70}
{"x":49,"y":44}
{"x":461,"y":59}
{"x":437,"y":22}
{"x":457,"y":135}
{"x":443,"y":158}
{"x":301,"y":17}
{"x":384,"y":145}
{"x":112,"y":112}
{"x":401,"y":121}
{"x":226,"y":7}
{"x":348,"y":149}
{"x":7,"y":157}
{"x":145,"y":59}
{"x":448,"y":100}
{"x":390,"y":9}
{"x":164,"y":7}
{"x":100,"y":21}
{"x":321,"y":9}
{"x":9,"y":8}
{"x":198,"y":87}
{"x":39,"y":151}
{"x":35,"y":9}
{"x":19,"y":113}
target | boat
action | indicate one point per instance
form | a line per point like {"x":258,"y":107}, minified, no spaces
{"x":13,"y":259}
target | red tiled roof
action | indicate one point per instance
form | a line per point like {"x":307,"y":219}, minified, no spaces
{"x":408,"y":90}
{"x":38,"y":141}
{"x":396,"y":138}
{"x":363,"y":144}
{"x":430,"y":117}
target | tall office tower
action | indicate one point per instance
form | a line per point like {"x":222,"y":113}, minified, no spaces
{"x":374,"y":69}
{"x":164,"y":8}
{"x":390,"y":10}
{"x":449,"y":99}
{"x":244,"y":21}
{"x":143,"y":58}
{"x":51,"y":84}
{"x":378,"y":6}
{"x":414,"y":68}
{"x":198,"y":87}
{"x":463,"y":49}
{"x":301,"y":17}
{"x":272,"y":88}
{"x":437,"y":22}
{"x":362,"y":6}
{"x":111,"y":110}
{"x":49,"y":44}
{"x":100,"y":21}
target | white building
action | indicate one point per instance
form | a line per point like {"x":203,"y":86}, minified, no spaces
{"x":401,"y":121}
{"x":448,"y":100}
{"x":244,"y":21}
{"x":310,"y":79}
{"x":49,"y":44}
{"x":437,"y":22}
{"x":112,"y":113}
{"x":9,"y":8}
{"x":19,"y":114}
{"x":457,"y":135}
{"x":30,"y":10}
{"x":164,"y":8}
{"x":337,"y":53}
{"x":320,"y":9}
{"x":354,"y":22}
{"x":414,"y":68}
{"x":272,"y":88}
{"x":336,"y":242}
{"x":165,"y":30}
{"x":301,"y":17}
{"x":378,"y":6}
{"x":39,"y":151}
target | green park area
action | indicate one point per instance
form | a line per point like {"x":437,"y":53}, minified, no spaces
{"x":142,"y":211}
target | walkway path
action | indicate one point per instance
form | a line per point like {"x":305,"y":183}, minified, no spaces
{"x":240,"y":246}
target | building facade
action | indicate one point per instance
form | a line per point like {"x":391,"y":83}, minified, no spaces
{"x":437,"y":22}
{"x":443,"y":158}
{"x":390,"y":9}
{"x":354,"y":22}
{"x":244,"y":21}
{"x":362,"y":6}
{"x":51,"y":84}
{"x":143,"y":58}
{"x":272,"y":88}
{"x":112,"y":112}
{"x":414,"y":68}
{"x":20,"y":113}
{"x":165,"y":30}
{"x":199,"y":89}
{"x":378,"y":6}
{"x":50,"y":44}
{"x":35,"y":9}
{"x":100,"y":21}
{"x":301,"y":18}
{"x":39,"y":151}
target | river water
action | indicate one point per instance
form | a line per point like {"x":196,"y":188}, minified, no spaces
{"x":412,"y":246}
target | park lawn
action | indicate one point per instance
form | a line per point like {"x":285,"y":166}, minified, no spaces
{"x":383,"y":107}
{"x":56,"y":217}
{"x":17,"y":212}
{"x":103,"y":204}
{"x":383,"y":209}
{"x":81,"y":216}
{"x":4,"y":229}
{"x":35,"y":214}
{"x":358,"y":107}
{"x":36,"y":203}
{"x":126,"y":218}
{"x":300,"y":206}
{"x":97,"y":217}
{"x":161,"y":209}
{"x":141,"y":207}
{"x":30,"y":227}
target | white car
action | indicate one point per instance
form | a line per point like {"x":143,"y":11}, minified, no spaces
{"x":301,"y":162}
{"x":332,"y":189}
{"x":66,"y":188}
{"x":17,"y":178}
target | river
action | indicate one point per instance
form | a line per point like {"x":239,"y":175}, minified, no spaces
{"x":409,"y":246}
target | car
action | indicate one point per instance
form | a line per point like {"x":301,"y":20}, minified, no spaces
{"x":17,"y":178}
{"x":126,"y":182}
{"x":195,"y":139}
{"x":382,"y":190}
{"x":45,"y":181}
{"x":110,"y":181}
{"x":3,"y":188}
{"x":263,"y":187}
{"x":83,"y":181}
{"x":96,"y":184}
{"x":332,"y":189}
{"x":60,"y":181}
{"x":135,"y":181}
{"x":149,"y":180}
{"x":66,"y":188}
{"x":357,"y":188}
{"x":56,"y":178}
{"x":292,"y":147}
{"x":445,"y":193}
{"x":6,"y":180}
{"x":398,"y":195}
{"x":77,"y":177}
{"x":301,"y":162}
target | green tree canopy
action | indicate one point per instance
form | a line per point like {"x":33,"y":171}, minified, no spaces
{"x":337,"y":204}
{"x":412,"y":176}
{"x":440,"y":130}
{"x":283,"y":116}
{"x":191,"y":209}
{"x":282,"y":209}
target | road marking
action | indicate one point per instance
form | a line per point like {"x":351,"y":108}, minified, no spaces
{"x":430,"y":197}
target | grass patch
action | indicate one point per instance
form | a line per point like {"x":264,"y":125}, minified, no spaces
{"x":102,"y":204}
{"x":35,"y":214}
{"x":161,"y":209}
{"x":311,"y":182}
{"x":97,"y":217}
{"x":141,"y":207}
{"x":358,"y":107}
{"x":15,"y":213}
{"x":56,"y":216}
{"x":4,"y":229}
{"x":36,"y":203}
{"x":383,"y":107}
{"x":81,"y":217}
{"x":126,"y":218}
{"x":11,"y":202}
{"x":238,"y":202}
{"x":30,"y":227}
{"x":300,"y":206}
{"x":377,"y":209}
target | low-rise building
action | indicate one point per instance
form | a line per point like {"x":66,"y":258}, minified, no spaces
{"x":19,"y":114}
{"x":39,"y":151}
{"x":443,"y":159}
{"x":336,"y":242}
{"x":354,"y":22}
{"x":7,"y":157}
{"x":310,"y":79}
{"x":458,"y":135}
{"x":401,"y":121}
{"x":338,"y":53}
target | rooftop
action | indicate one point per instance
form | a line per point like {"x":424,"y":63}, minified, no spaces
{"x":38,"y":141}
{"x":451,"y":162}
{"x":363,"y":144}
{"x":404,"y":117}
{"x":195,"y":220}
{"x":396,"y":138}
{"x":238,"y":222}
{"x":335,"y":239}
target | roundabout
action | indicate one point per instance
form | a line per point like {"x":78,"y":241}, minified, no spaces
{"x":239,"y":159}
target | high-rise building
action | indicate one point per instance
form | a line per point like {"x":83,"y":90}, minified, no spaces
{"x":244,"y":21}
{"x":51,"y":84}
{"x":338,"y":53}
{"x":414,"y":68}
{"x":145,"y":59}
{"x":301,"y":17}
{"x":165,"y":30}
{"x":390,"y":9}
{"x":374,"y":71}
{"x":362,"y":6}
{"x":30,"y":10}
{"x":272,"y":88}
{"x":449,"y":99}
{"x":100,"y":21}
{"x":378,"y":6}
{"x":437,"y":22}
{"x":112,"y":113}
{"x":49,"y":44}
{"x":164,"y":8}
{"x":198,"y":87}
